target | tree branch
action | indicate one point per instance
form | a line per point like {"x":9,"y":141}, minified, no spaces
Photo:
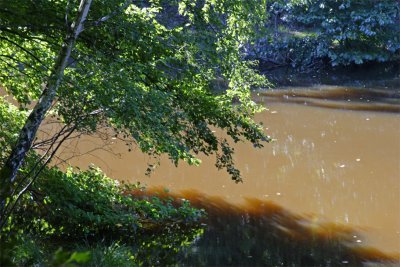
{"x":113,"y":14}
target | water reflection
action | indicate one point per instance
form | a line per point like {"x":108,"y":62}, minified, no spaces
{"x":336,"y":97}
{"x":384,"y":75}
{"x":262,"y":233}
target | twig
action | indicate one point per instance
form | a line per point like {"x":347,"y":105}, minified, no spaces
{"x":113,"y":14}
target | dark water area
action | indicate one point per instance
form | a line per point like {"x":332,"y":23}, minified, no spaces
{"x":262,"y":233}
{"x":373,"y":75}
{"x":336,"y":97}
{"x":371,"y":87}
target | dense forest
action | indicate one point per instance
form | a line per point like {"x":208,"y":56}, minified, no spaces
{"x":309,"y":34}
{"x":149,"y":72}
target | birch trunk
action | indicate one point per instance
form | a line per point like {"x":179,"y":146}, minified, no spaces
{"x":9,"y":171}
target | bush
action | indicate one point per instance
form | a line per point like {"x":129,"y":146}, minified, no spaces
{"x":89,"y":205}
{"x":87,"y":212}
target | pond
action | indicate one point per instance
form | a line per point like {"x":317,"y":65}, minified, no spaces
{"x":326,"y":192}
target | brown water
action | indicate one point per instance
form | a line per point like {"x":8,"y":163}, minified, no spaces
{"x":336,"y":159}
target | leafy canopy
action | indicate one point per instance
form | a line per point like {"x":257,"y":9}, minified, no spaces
{"x":351,"y":31}
{"x":340,"y":32}
{"x":147,"y":69}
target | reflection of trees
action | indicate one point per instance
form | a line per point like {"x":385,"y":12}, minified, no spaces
{"x":260,"y":233}
{"x":335,"y":97}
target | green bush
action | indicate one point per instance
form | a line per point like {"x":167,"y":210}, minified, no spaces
{"x":85,"y":211}
{"x":88,"y":204}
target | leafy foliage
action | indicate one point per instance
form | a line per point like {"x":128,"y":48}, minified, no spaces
{"x":343,"y":32}
{"x":88,"y":204}
{"x":145,"y":69}
{"x":11,"y":121}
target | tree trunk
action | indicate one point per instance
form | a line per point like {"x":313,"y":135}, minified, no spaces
{"x":9,"y":171}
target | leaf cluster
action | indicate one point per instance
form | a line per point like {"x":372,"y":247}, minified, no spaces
{"x":148,"y":77}
{"x":11,"y":121}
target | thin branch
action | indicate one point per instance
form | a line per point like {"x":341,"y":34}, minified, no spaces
{"x":25,"y":50}
{"x":28,"y":37}
{"x":22,"y":180}
{"x":66,"y":15}
{"x":22,"y":62}
{"x":51,"y":140}
{"x":20,"y":183}
{"x":33,"y":178}
{"x":17,"y":69}
{"x":113,"y":14}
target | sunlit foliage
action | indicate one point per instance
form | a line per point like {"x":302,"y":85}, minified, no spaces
{"x":146,"y":69}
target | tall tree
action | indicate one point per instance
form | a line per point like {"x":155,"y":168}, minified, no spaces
{"x":147,"y":69}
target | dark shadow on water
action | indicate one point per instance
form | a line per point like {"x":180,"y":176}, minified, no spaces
{"x":372,"y":75}
{"x":261,"y":233}
{"x":369,"y":87}
{"x":335,"y":97}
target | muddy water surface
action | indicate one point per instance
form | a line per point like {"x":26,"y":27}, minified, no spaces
{"x":335,"y":160}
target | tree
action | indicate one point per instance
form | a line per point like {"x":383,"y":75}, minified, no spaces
{"x":145,"y":69}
